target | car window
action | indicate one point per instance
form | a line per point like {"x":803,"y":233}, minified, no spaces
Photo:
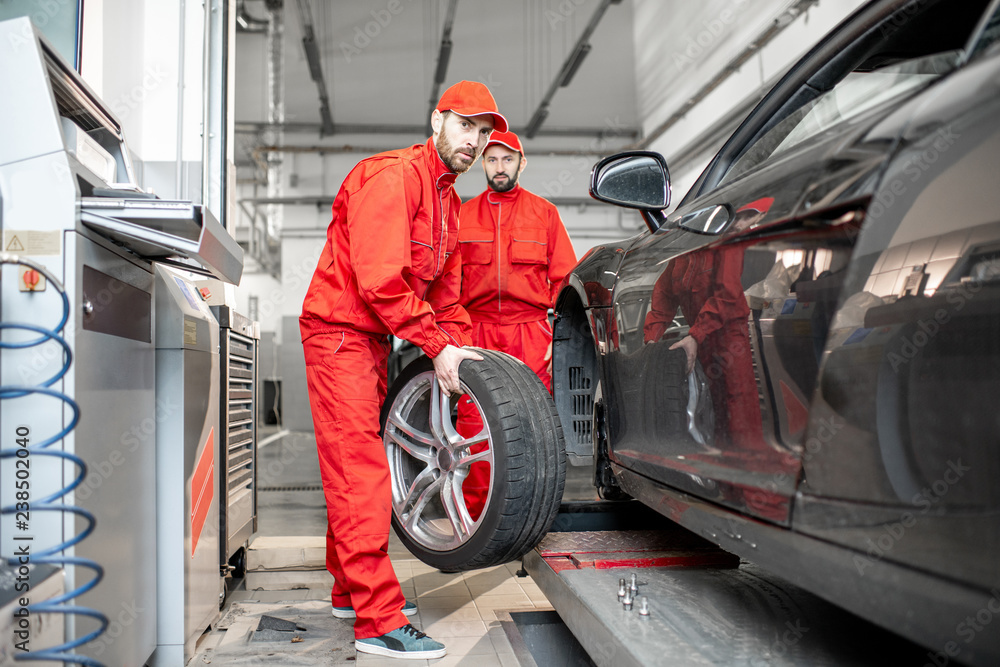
{"x":988,"y":35}
{"x":854,"y":95}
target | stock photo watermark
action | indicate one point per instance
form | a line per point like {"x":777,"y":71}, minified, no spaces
{"x":701,"y":37}
{"x":365,"y":34}
{"x":45,"y":12}
{"x":967,"y":630}
{"x":925,"y":500}
{"x":913,"y":170}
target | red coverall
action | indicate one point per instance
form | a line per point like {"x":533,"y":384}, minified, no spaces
{"x":515,"y":253}
{"x":706,"y":285}
{"x":389,"y":266}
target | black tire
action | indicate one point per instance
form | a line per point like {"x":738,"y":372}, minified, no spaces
{"x":528,"y":464}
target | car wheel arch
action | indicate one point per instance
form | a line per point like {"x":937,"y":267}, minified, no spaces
{"x":575,"y":374}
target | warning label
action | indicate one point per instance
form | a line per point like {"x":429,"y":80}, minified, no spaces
{"x":32,"y":242}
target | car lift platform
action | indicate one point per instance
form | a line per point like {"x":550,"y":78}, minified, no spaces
{"x":706,"y":606}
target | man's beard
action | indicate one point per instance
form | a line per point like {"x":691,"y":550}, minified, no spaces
{"x":450,"y":155}
{"x":507,"y":185}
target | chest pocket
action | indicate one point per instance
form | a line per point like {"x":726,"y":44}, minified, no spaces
{"x":700,"y":273}
{"x":422,"y":252}
{"x":476,"y":245}
{"x":529,"y":246}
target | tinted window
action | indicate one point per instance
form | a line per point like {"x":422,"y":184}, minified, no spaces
{"x":856,"y":94}
{"x":989,"y":34}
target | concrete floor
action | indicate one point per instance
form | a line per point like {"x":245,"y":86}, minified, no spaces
{"x":464,"y":611}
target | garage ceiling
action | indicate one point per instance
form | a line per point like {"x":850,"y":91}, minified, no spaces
{"x":379,"y":59}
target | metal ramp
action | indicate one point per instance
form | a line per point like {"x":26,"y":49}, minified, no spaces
{"x":706,"y":607}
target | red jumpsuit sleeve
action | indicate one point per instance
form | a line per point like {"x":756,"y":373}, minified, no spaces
{"x":444,"y":297}
{"x":562,"y":257}
{"x":727,"y":301}
{"x":662,"y":308}
{"x":378,"y":223}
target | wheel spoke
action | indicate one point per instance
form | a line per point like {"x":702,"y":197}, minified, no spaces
{"x":456,"y":511}
{"x":466,"y":461}
{"x":483,"y":437}
{"x":418,"y":506}
{"x":412,"y":497}
{"x":418,"y":450}
{"x":441,"y":426}
{"x":414,"y":434}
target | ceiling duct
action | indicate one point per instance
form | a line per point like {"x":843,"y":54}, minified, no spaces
{"x":574,"y":63}
{"x":247,"y":127}
{"x":566,"y":72}
{"x":444,"y":55}
{"x":315,"y":67}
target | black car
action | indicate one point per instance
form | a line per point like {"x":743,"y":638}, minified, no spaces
{"x":837,"y":267}
{"x":800,"y":363}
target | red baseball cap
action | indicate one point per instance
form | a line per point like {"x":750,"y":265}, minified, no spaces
{"x":508,"y":139}
{"x":471,"y":98}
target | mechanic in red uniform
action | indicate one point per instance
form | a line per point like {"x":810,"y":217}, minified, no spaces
{"x":515,"y":253}
{"x":706,"y":285}
{"x":390,"y":266}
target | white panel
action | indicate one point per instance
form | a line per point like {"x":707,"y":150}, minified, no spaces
{"x":91,"y":52}
{"x":156,"y":93}
{"x":123,"y":66}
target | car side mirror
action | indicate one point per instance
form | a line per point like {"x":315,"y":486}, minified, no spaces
{"x":633,"y":179}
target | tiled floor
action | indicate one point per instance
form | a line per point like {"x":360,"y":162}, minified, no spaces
{"x":459,"y":610}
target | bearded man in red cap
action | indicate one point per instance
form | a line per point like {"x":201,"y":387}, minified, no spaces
{"x":515,"y":253}
{"x":390,"y":266}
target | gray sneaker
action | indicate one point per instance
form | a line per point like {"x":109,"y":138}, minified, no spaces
{"x":405,"y":642}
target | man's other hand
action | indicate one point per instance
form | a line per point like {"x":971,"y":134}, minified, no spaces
{"x":690,"y":347}
{"x":446,"y":365}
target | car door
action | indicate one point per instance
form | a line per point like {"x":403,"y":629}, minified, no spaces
{"x":750,"y":269}
{"x":906,"y":469}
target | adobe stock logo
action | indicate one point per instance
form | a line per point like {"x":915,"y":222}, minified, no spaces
{"x":363,"y":35}
{"x":924,"y":501}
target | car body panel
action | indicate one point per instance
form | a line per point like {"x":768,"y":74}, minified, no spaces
{"x":911,"y":370}
{"x":759,"y":473}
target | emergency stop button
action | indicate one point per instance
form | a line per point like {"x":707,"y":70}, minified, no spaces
{"x":31,"y":280}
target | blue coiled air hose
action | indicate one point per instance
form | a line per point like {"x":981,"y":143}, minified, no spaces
{"x":54,"y":555}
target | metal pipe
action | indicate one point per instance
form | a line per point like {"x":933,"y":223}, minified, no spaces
{"x":567,"y":70}
{"x":420,"y":130}
{"x":444,"y":55}
{"x":211,"y":87}
{"x":276,"y":106}
{"x":327,"y":200}
{"x":315,"y":66}
{"x":179,"y":175}
{"x":574,"y":64}
{"x":252,"y":225}
{"x":258,"y":154}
